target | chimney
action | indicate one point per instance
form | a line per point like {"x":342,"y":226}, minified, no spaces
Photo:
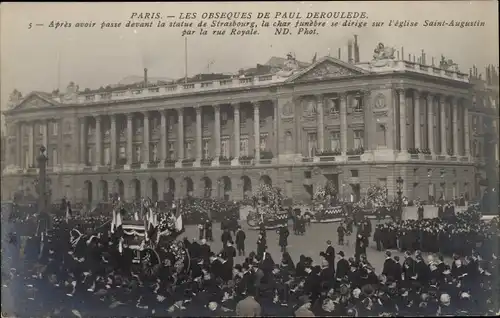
{"x":340,"y":56}
{"x":145,"y":77}
{"x":356,"y":49}
{"x":349,"y":51}
{"x":423,"y":57}
{"x":397,"y":55}
{"x":402,"y":53}
{"x":470,"y":72}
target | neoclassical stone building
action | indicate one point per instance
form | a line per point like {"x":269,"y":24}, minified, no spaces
{"x":286,"y":123}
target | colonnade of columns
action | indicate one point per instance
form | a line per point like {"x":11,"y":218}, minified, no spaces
{"x":449,"y":142}
{"x":434,"y":104}
{"x":163,"y":144}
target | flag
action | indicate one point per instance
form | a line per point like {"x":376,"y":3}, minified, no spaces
{"x":113,"y":221}
{"x":68,"y":212}
{"x":42,"y":239}
{"x":178,"y":222}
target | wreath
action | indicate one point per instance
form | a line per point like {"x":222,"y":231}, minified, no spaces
{"x":377,"y":195}
{"x":268,"y":199}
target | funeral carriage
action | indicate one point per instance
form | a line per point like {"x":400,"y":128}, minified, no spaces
{"x":267,"y":209}
{"x":326,"y":207}
{"x":150,"y":233}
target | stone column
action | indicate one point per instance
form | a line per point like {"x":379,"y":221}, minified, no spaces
{"x":180,"y":135}
{"x":145,"y":141}
{"x":31,"y":144}
{"x":321,"y":125}
{"x":199,"y":137}
{"x":430,"y":122}
{"x":466,"y":132}
{"x":236,"y":126}
{"x":83,"y":141}
{"x":163,"y":136}
{"x":19,"y":145}
{"x":402,"y":119}
{"x":256,"y":130}
{"x":98,"y":141}
{"x":217,"y":132}
{"x":343,"y":123}
{"x":130,"y":139}
{"x":416,"y":115}
{"x":454,"y":119}
{"x":45,"y":133}
{"x":442,"y":125}
{"x":276,"y":149}
{"x":369,"y":128}
{"x":114,"y":155}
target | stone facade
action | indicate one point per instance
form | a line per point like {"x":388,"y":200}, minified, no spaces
{"x":357,"y":125}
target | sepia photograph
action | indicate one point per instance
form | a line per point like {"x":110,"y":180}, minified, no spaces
{"x":250,"y":159}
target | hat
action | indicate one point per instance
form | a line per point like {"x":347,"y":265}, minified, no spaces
{"x":341,"y":253}
{"x":304,"y":299}
{"x":328,"y":242}
{"x":388,"y":253}
{"x":367,"y":290}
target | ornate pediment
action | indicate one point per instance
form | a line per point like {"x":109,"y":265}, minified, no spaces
{"x":33,"y":102}
{"x":328,"y":68}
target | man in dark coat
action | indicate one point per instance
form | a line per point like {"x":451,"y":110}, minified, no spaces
{"x":360,"y":247}
{"x":389,"y":266}
{"x":283,"y":237}
{"x":330,"y":254}
{"x":342,"y":266}
{"x":208,"y":231}
{"x":226,"y":237}
{"x":420,"y":211}
{"x":240,"y":241}
{"x":409,"y":268}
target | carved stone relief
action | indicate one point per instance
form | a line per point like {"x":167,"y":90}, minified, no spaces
{"x":287,"y":109}
{"x":327,"y":70}
{"x":380,"y":101}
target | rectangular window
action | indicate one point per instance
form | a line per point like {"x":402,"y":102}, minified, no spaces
{"x":107,"y":156}
{"x":312,"y":142}
{"x":263,"y":141}
{"x":123,"y":152}
{"x":55,"y":128}
{"x":170,"y":123}
{"x":334,"y":140}
{"x":225,"y":148}
{"x":138,"y":153}
{"x":334,"y":104}
{"x":90,"y":155}
{"x":171,"y":150}
{"x":358,"y":103}
{"x":26,"y":159}
{"x":154,"y":152}
{"x":358,"y":139}
{"x":354,"y":173}
{"x":68,"y":127}
{"x":54,"y":157}
{"x":188,"y":145}
{"x":244,"y":146}
{"x":206,"y":148}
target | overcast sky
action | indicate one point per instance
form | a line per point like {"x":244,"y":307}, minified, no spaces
{"x":94,"y":57}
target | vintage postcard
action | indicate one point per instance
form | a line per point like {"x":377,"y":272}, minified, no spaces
{"x":249,"y":159}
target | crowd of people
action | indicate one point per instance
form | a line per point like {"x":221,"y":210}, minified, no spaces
{"x":97,"y":279}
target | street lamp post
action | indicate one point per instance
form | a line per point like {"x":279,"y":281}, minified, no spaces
{"x":399,"y":185}
{"x":42,"y":180}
